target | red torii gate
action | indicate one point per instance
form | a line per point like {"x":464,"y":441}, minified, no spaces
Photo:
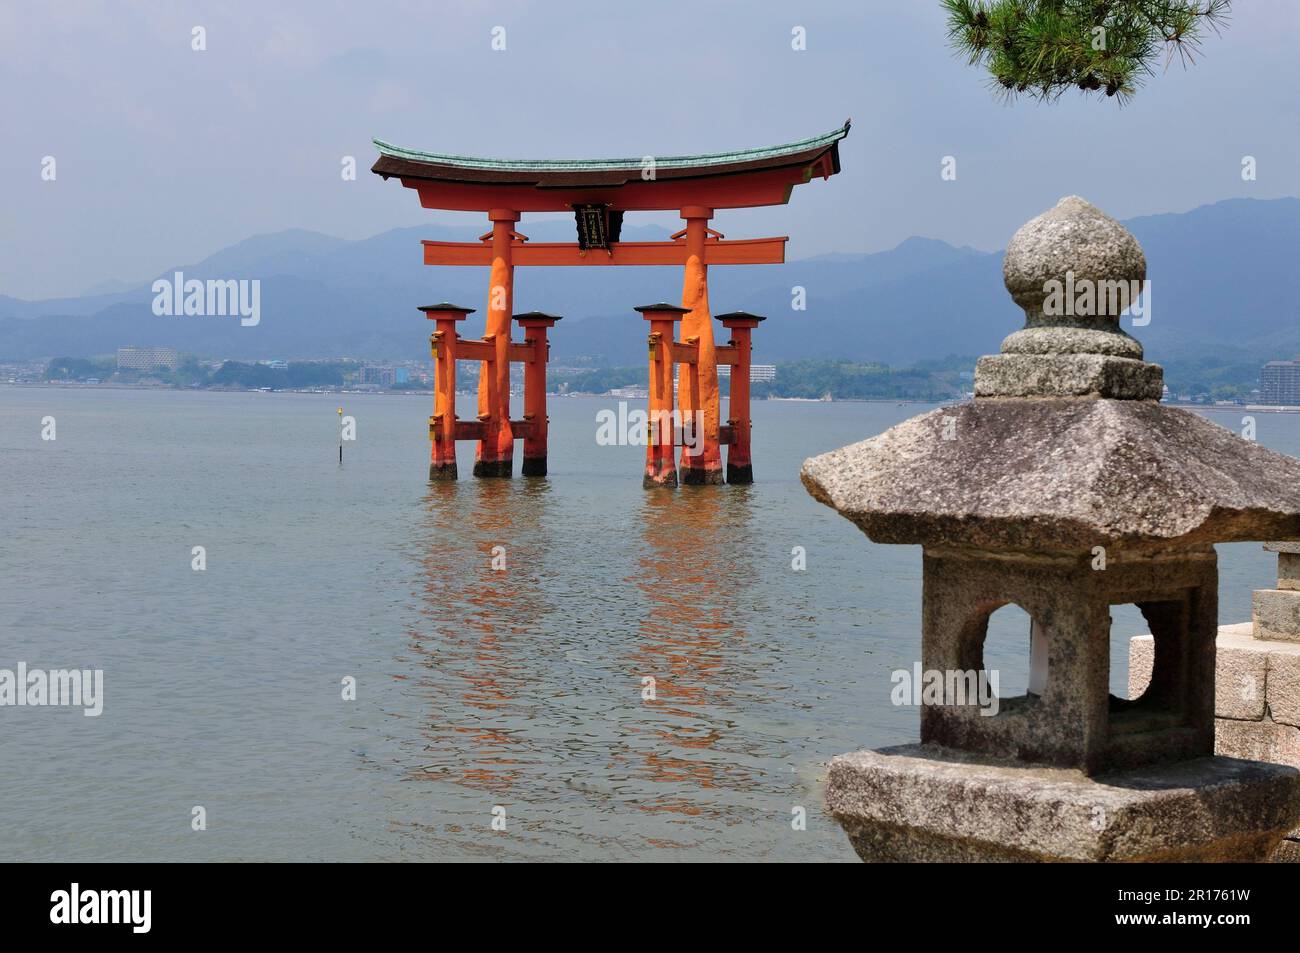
{"x":599,"y":192}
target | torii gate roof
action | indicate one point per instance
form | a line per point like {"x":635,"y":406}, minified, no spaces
{"x":763,"y":176}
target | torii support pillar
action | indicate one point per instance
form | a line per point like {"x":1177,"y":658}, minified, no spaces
{"x":495,"y":457}
{"x":699,"y":400}
{"x":661,"y":449}
{"x":740,"y":323}
{"x":442,"y":425}
{"x":536,"y":350}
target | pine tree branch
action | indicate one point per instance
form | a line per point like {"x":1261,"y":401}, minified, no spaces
{"x":1043,"y":48}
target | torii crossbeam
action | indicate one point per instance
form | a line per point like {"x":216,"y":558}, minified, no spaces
{"x":599,"y":192}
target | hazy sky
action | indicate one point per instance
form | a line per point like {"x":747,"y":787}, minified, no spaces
{"x":165,"y":154}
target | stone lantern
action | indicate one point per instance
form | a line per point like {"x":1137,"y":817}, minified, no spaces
{"x":1065,"y":487}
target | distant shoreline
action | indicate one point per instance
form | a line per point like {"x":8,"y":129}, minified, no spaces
{"x":77,"y":386}
{"x":71,"y":385}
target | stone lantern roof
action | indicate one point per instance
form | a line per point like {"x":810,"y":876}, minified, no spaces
{"x":1065,"y":445}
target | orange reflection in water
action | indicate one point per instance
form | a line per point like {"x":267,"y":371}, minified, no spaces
{"x":692,"y":579}
{"x":475,"y":614}
{"x":512,"y":714}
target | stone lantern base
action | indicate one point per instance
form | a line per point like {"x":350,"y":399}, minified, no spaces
{"x":916,"y":803}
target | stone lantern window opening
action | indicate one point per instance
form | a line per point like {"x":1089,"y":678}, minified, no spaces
{"x":987,"y":642}
{"x":1126,"y":620}
{"x":1167,"y":702}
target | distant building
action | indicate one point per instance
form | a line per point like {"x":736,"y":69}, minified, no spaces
{"x":629,"y":393}
{"x":757,"y":372}
{"x":1279,"y":382}
{"x":276,"y":365}
{"x":401,"y":375}
{"x":381,"y":376}
{"x":146,"y":358}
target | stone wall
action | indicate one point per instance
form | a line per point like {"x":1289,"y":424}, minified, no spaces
{"x":1256,"y":701}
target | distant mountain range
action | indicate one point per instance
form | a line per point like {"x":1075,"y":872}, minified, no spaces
{"x":1224,"y":280}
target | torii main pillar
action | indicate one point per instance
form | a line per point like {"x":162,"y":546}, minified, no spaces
{"x":704,"y":467}
{"x":495,"y":456}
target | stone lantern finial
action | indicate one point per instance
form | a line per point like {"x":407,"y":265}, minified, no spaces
{"x":1073,"y":270}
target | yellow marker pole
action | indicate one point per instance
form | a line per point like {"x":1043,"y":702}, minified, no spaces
{"x":340,"y":435}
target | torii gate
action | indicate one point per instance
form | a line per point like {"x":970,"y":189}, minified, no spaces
{"x":599,"y":192}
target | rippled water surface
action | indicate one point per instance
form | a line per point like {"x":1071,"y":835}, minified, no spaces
{"x":476,"y":689}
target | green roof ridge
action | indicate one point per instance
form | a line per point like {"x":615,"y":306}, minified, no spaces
{"x":579,"y":165}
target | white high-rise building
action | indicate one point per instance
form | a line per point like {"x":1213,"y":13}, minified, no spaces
{"x":757,"y":372}
{"x":1279,"y":382}
{"x":147,"y":358}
